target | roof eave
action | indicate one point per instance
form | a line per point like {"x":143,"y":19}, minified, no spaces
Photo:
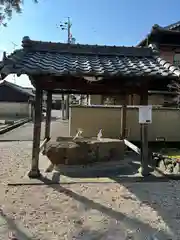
{"x":173,"y":26}
{"x":156,"y":30}
{"x":13,"y":64}
{"x":6,"y":83}
{"x":145,"y":40}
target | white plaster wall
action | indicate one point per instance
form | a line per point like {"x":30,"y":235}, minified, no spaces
{"x":14,"y":109}
{"x":165,"y":122}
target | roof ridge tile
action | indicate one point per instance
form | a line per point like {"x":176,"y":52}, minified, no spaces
{"x":16,"y":87}
{"x":39,"y":46}
{"x":173,"y":25}
{"x":82,"y":61}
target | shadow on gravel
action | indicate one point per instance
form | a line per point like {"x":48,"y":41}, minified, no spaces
{"x":131,"y":223}
{"x":14,"y":231}
{"x":152,"y":195}
{"x":118,"y":172}
{"x":95,"y":171}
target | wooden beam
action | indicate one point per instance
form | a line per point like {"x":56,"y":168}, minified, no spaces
{"x":92,"y":92}
{"x":144,"y":136}
{"x":43,"y":144}
{"x":71,"y":84}
{"x":132,"y":146}
{"x":108,"y":85}
{"x":124,"y":117}
{"x":35,"y":172}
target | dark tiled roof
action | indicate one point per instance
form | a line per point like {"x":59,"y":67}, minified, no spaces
{"x":18,"y":88}
{"x":60,"y":59}
{"x":173,"y":26}
{"x":29,"y":90}
{"x":158,"y":29}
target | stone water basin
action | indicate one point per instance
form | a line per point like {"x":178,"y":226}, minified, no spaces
{"x":66,"y":150}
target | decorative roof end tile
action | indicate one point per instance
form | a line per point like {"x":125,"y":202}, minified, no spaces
{"x":4,"y":56}
{"x":26,"y":38}
{"x":26,"y":41}
{"x":154,"y":48}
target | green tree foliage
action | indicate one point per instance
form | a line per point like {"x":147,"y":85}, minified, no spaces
{"x":7,"y":7}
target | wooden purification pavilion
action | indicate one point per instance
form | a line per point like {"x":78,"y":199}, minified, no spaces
{"x":87,"y":69}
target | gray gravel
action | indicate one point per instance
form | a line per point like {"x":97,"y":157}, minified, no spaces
{"x":91,"y":211}
{"x":83,"y":211}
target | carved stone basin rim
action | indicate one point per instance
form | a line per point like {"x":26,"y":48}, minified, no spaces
{"x":87,"y":139}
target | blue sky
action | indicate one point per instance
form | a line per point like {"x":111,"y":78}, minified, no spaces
{"x":107,"y":22}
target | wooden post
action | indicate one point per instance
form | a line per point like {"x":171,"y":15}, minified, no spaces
{"x":67,"y":107}
{"x":144,"y":170}
{"x":102,"y":99}
{"x":132,"y":99}
{"x":35,"y":172}
{"x":123,"y":117}
{"x":48,"y":115}
{"x":32,"y":111}
{"x":48,"y":118}
{"x":81,"y":99}
{"x":62,"y":107}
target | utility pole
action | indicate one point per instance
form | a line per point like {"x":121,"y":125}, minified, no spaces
{"x":66,"y":26}
{"x":14,"y":47}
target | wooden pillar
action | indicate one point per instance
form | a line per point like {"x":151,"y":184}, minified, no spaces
{"x":48,"y":120}
{"x":144,"y":170}
{"x":48,"y":115}
{"x":123,"y":117}
{"x":35,"y":172}
{"x":102,"y":99}
{"x":81,"y":99}
{"x":67,"y":107}
{"x":63,"y":107}
{"x":132,"y":99}
{"x":32,"y":111}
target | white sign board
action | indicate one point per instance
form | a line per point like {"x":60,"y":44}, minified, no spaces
{"x":145,"y":114}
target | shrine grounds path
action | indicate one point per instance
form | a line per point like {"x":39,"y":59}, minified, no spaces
{"x":91,"y":211}
{"x":25,"y":132}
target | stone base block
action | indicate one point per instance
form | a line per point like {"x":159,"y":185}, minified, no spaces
{"x":84,"y":150}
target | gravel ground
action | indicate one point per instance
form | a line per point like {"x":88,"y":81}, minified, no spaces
{"x":87,"y":211}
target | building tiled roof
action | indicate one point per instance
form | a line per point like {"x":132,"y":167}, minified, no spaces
{"x":171,"y":29}
{"x":173,"y":26}
{"x":29,"y":90}
{"x":58,"y":59}
{"x":18,"y":88}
